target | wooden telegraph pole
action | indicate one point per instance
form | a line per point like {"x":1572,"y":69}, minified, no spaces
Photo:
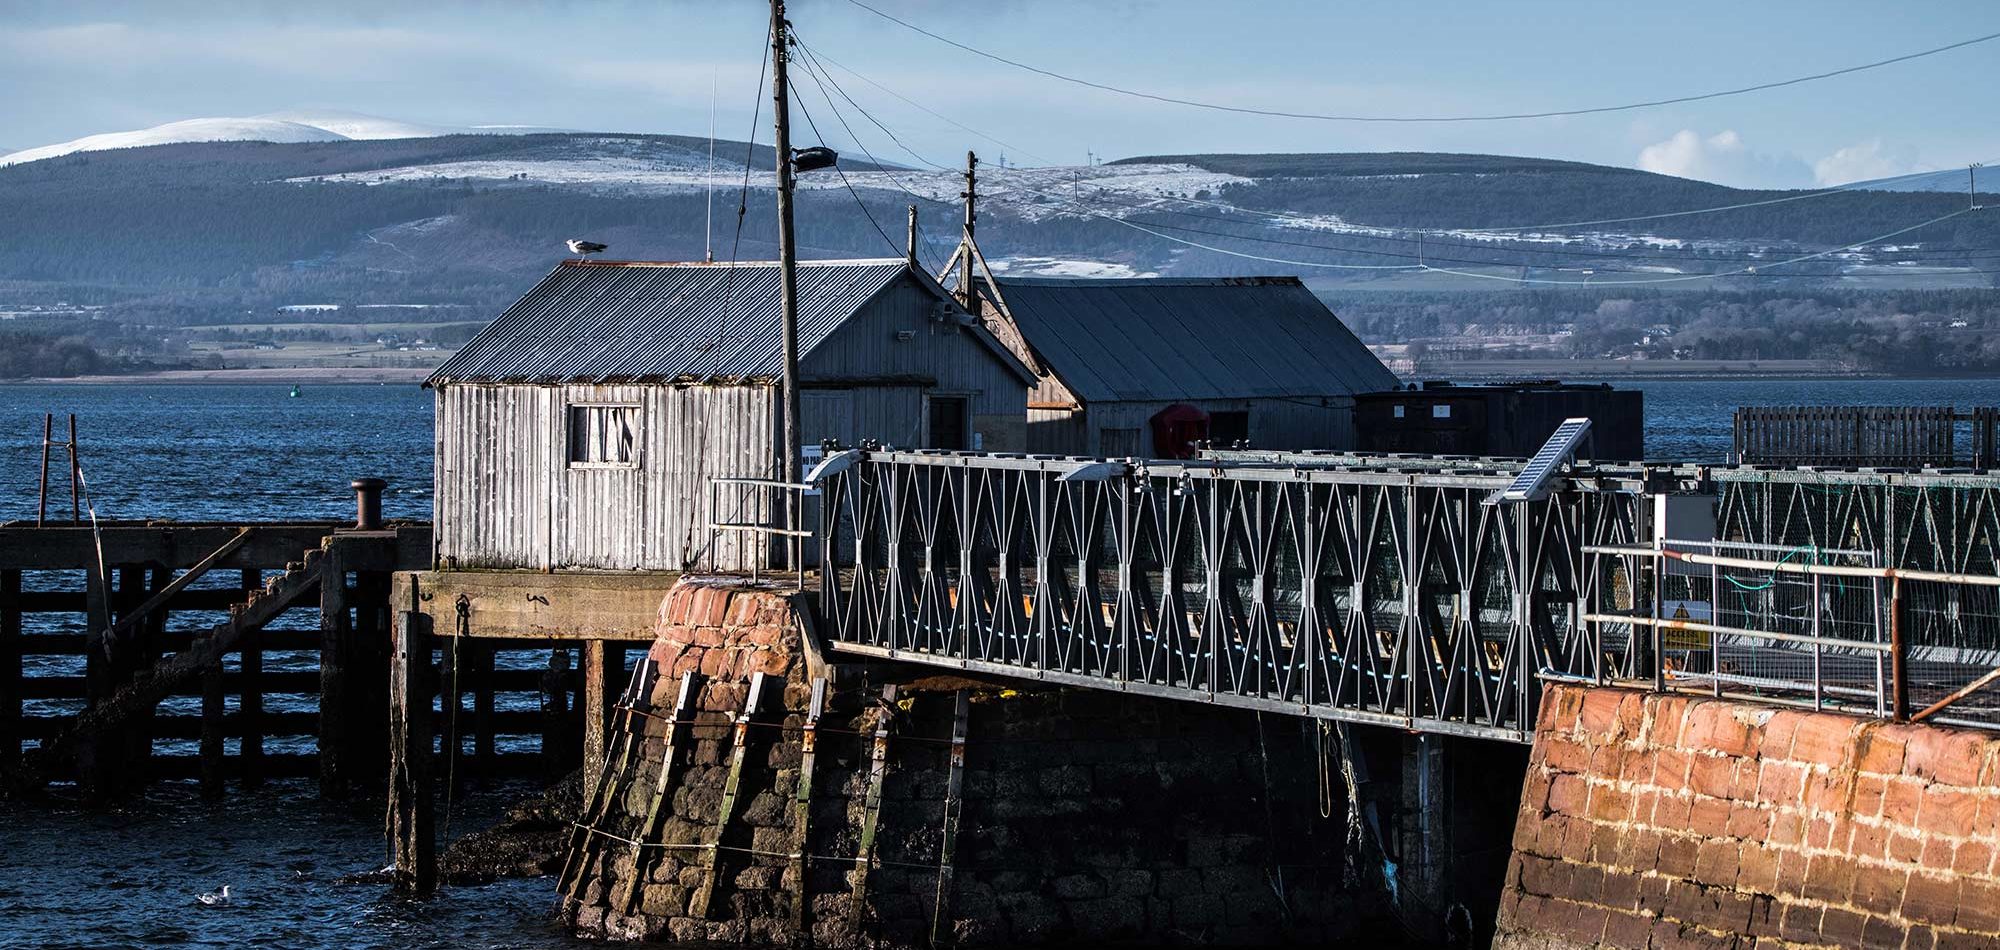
{"x":788,"y":290}
{"x":971,"y":196}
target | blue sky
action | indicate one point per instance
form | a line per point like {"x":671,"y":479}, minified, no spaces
{"x":77,"y":67}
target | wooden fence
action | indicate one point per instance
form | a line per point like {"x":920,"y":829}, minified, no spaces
{"x":1886,"y":436}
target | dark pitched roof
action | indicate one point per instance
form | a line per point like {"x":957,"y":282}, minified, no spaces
{"x":615,"y":320}
{"x":1190,"y":338}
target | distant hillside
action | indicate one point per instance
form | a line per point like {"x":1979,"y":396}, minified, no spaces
{"x":1363,"y":164}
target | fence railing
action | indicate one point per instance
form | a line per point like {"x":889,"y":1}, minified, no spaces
{"x":762,"y":525}
{"x":1389,"y":595}
{"x":1826,"y":628}
{"x":1865,"y":435}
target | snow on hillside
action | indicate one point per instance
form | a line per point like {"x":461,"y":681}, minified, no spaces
{"x":292,"y":126}
{"x":187,"y":130}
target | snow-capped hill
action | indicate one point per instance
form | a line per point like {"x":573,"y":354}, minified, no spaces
{"x":187,"y":130}
{"x":355,"y":125}
{"x":314,"y":125}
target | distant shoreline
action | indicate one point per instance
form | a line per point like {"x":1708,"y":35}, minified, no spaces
{"x":273,"y":376}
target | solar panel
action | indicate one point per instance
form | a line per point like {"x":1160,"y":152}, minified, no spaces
{"x":1532,"y":484}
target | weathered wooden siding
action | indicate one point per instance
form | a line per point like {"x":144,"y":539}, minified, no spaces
{"x":939,"y":357}
{"x":507,"y":496}
{"x":1274,"y":424}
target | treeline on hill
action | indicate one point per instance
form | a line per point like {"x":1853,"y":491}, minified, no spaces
{"x":1484,"y":191}
{"x":1943,"y":331}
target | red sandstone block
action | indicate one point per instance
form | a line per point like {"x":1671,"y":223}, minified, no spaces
{"x":1905,"y":848}
{"x":1677,"y":857}
{"x":1620,"y":890}
{"x":1823,"y":739}
{"x":1549,"y":836}
{"x":1610,"y":804}
{"x":1922,"y":937}
{"x":1962,"y":940}
{"x":1900,"y":798}
{"x":1714,"y":726}
{"x":1568,"y":795}
{"x":1599,"y":716}
{"x":1882,"y":933}
{"x":1788,"y":827}
{"x":1829,"y":877}
{"x":1819,"y":831}
{"x":1561,"y":706}
{"x":1972,"y":857}
{"x":1670,"y":769}
{"x":1841,"y":927}
{"x":1632,"y":716}
{"x":1774,"y":738}
{"x":1626,"y":931}
{"x":1668,"y":721}
{"x":1937,"y":854}
{"x":1927,"y":749}
{"x":1586,"y":924}
{"x":1869,"y":841}
{"x":1757,"y":868}
{"x":1986,"y":823}
{"x":1978,"y":906}
{"x":1930,"y":899}
{"x":1636,"y":766}
{"x":1963,"y":759}
{"x":1745,"y":787}
{"x":1780,"y":782}
{"x":1826,"y":792}
{"x":1712,"y":775}
{"x":1801,"y":922}
{"x":1544,"y":877}
{"x":1749,"y":821}
{"x":1880,"y":890}
{"x":1709,"y":817}
{"x":1880,"y":747}
{"x":1716,"y":863}
{"x":1673,"y":811}
{"x":1603,"y":844}
{"x":1562,"y":754}
{"x":1869,"y":791}
{"x":1576,"y":841}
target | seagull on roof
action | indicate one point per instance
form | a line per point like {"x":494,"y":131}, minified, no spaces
{"x":583,"y":248}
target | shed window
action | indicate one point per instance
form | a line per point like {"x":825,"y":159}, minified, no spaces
{"x":603,"y":436}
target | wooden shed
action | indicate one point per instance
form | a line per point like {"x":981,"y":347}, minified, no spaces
{"x":581,"y":429}
{"x":1142,"y":367}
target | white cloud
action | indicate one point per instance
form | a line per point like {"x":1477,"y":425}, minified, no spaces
{"x":1866,"y":161}
{"x":1725,"y":159}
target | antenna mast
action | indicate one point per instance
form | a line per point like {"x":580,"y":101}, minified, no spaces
{"x":971,"y":195}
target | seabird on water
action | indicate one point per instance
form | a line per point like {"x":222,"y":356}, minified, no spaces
{"x":582,"y":248}
{"x":216,"y":898}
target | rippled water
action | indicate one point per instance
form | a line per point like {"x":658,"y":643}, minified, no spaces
{"x":70,"y":877}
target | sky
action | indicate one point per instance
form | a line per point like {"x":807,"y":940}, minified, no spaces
{"x":70,"y":68}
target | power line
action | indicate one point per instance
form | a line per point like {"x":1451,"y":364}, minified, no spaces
{"x":1280,"y":113}
{"x":870,"y":215}
{"x":926,"y":109}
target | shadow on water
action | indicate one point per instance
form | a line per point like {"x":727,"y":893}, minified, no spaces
{"x":133,"y":875}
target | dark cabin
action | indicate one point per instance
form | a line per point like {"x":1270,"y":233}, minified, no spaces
{"x":1144,"y":367}
{"x":581,"y":429}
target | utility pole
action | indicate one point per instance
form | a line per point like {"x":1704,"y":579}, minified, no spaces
{"x":1972,"y":187}
{"x":788,"y":289}
{"x":971,"y":196}
{"x":913,"y":236}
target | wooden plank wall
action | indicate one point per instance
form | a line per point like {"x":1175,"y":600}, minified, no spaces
{"x":1903,"y":436}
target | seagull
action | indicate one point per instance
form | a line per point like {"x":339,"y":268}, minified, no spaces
{"x":216,"y":898}
{"x":583,"y":248}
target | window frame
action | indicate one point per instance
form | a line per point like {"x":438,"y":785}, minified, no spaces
{"x":637,"y":428}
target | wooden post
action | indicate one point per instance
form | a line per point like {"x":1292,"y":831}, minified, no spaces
{"x":1899,"y":681}
{"x":366,"y":677}
{"x":412,"y":832}
{"x":75,"y":475}
{"x":42,"y":505}
{"x":212,"y":731}
{"x":726,"y":811}
{"x":336,"y":706}
{"x":596,"y":703}
{"x":97,"y":754}
{"x":250,"y":695}
{"x":871,"y":809}
{"x":802,"y":805}
{"x":10,"y":670}
{"x":481,"y":655}
{"x":555,"y":713}
{"x":954,"y":805}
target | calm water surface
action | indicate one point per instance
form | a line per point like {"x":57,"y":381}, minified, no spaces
{"x":206,"y":452}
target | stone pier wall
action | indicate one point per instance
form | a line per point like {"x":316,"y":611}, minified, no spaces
{"x":1664,"y":821}
{"x":1086,"y":816}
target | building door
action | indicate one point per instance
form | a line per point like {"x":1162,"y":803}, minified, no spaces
{"x":947,"y":426}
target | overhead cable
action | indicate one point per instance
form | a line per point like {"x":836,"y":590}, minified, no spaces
{"x":1499,"y":117}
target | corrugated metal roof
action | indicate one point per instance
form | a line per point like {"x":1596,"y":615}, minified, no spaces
{"x":615,"y":320}
{"x":1191,"y":338}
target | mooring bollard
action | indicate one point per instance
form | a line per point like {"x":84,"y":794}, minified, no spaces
{"x":368,"y":503}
